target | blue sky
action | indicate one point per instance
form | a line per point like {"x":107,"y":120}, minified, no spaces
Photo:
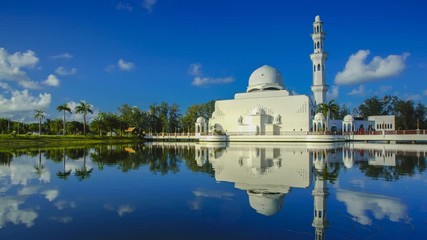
{"x":139,"y":52}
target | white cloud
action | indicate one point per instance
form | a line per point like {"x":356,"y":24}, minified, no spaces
{"x":125,"y":66}
{"x":121,"y":210}
{"x":122,"y":65}
{"x":64,"y":72}
{"x":195,"y":69}
{"x":357,"y":71}
{"x":52,"y":81}
{"x":79,"y":117}
{"x":333,"y":92}
{"x":65,"y":56}
{"x":149,"y":4}
{"x":51,"y":195}
{"x":62,"y":204}
{"x":10,"y":212}
{"x":27,"y":59}
{"x":11,"y":67}
{"x":124,"y":6}
{"x":198,"y":80}
{"x":359,"y":204}
{"x":23,"y":101}
{"x":357,"y":91}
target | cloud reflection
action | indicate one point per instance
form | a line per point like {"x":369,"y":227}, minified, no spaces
{"x":360,"y":204}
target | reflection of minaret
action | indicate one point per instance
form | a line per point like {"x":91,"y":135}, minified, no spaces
{"x":320,"y":192}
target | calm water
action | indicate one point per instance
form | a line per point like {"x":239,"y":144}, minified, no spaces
{"x":196,"y":191}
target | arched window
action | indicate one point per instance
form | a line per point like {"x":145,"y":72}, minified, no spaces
{"x":318,"y":45}
{"x":318,"y":67}
{"x":314,"y":68}
{"x":314,"y":45}
{"x":321,"y":44}
{"x":317,"y":28}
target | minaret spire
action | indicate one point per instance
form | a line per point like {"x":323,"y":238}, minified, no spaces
{"x":318,"y":58}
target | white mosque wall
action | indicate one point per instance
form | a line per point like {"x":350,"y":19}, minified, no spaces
{"x":265,"y":114}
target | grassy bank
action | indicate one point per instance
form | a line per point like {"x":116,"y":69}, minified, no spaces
{"x":8,"y":142}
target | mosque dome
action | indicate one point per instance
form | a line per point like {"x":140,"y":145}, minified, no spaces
{"x":319,"y":117}
{"x":265,"y":78}
{"x":200,"y":120}
{"x":317,"y":19}
{"x":348,"y":118}
{"x":266,"y":204}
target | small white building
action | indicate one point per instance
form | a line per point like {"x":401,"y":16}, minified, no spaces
{"x":383,"y":122}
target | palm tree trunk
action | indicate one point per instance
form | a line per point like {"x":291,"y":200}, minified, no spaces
{"x":63,"y":130}
{"x":40,"y":126}
{"x":84,"y":124}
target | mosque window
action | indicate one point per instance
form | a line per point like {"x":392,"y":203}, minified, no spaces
{"x":318,"y":67}
{"x":314,"y":68}
{"x":318,"y":45}
{"x":317,"y":28}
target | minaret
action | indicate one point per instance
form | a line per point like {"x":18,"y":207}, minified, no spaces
{"x":318,"y":57}
{"x":320,"y":192}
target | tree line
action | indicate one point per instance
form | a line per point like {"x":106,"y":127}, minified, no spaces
{"x":163,"y":117}
{"x":167,"y":118}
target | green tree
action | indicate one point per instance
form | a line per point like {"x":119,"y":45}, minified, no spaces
{"x":40,"y":115}
{"x":371,"y":107}
{"x":84,"y":108}
{"x":63,"y":108}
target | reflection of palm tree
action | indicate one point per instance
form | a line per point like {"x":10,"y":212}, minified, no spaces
{"x":64,"y":174}
{"x":39,"y":167}
{"x":84,"y":172}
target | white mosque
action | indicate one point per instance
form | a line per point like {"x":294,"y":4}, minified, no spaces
{"x":268,"y":111}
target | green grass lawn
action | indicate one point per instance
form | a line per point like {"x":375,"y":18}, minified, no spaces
{"x":8,"y":142}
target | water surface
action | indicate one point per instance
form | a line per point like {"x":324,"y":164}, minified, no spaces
{"x":213,"y":191}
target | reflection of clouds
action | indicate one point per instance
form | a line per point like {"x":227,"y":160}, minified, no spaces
{"x":64,"y":220}
{"x":359,"y":204}
{"x":51,"y":195}
{"x":62,"y":204}
{"x":121,"y":209}
{"x":26,"y":191}
{"x":10,"y":212}
{"x":76,"y":165}
{"x":201,"y":193}
{"x":19,"y":174}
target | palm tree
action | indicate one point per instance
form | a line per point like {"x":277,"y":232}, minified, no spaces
{"x":84,"y":108}
{"x":63,"y":108}
{"x":40,"y":114}
{"x":327,"y":109}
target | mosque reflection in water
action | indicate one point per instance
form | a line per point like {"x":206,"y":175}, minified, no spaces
{"x":267,"y":173}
